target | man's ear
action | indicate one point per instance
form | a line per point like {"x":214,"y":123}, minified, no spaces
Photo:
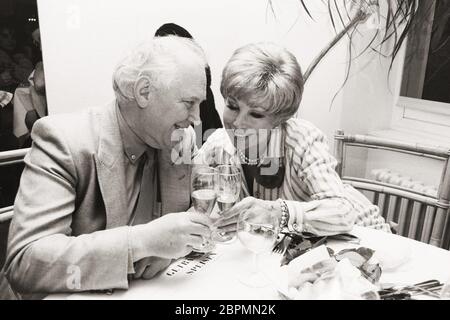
{"x":142,"y":91}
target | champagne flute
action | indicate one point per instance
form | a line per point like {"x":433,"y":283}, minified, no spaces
{"x":203,"y":189}
{"x":229,"y":186}
{"x":257,"y":231}
{"x":203,"y":195}
{"x":228,"y":191}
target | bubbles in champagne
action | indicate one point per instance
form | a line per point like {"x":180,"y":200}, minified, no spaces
{"x":204,"y":200}
{"x":226,"y":201}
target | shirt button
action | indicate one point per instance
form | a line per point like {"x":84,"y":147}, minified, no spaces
{"x":133,"y":157}
{"x":295,"y":226}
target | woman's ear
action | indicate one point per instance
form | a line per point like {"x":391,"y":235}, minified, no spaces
{"x":142,"y":91}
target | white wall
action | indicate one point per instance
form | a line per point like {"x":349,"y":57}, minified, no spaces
{"x":368,"y":97}
{"x":83,"y":40}
{"x":372,"y":89}
{"x":368,"y":101}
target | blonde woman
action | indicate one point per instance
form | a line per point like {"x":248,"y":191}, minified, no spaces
{"x":284,"y":161}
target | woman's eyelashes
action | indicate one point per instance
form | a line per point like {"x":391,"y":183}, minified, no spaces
{"x":232,"y":107}
{"x":255,"y":115}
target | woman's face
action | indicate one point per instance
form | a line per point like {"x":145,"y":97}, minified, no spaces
{"x":248,"y":126}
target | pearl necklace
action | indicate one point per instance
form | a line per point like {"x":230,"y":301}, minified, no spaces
{"x":246,"y":160}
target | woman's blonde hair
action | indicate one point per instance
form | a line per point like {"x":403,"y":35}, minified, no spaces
{"x":265,"y":75}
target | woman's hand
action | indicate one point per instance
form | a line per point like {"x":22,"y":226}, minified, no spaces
{"x":228,"y":222}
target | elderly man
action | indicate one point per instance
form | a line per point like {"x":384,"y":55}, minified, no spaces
{"x":97,"y":196}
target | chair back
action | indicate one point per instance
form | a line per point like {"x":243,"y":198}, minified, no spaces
{"x":8,"y":158}
{"x":419,"y":215}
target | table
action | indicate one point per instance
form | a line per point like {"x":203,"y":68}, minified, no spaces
{"x":218,"y":278}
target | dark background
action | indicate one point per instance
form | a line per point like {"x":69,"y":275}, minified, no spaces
{"x":14,"y":14}
{"x":437,"y":78}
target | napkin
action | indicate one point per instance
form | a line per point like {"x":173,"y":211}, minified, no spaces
{"x":317,"y":276}
{"x":286,"y":273}
{"x":393,"y":257}
{"x":345,"y":282}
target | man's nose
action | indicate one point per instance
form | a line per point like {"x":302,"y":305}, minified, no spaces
{"x":194,"y":115}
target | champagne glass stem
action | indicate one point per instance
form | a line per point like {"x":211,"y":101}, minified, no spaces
{"x":255,"y":263}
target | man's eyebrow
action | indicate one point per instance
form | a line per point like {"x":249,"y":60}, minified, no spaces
{"x":193,"y":98}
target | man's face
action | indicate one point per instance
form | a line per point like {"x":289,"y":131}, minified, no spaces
{"x":174,"y":106}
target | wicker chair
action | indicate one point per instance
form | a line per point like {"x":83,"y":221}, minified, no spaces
{"x":419,"y":215}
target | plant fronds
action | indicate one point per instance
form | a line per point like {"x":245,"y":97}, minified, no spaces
{"x":397,"y":19}
{"x":347,"y":15}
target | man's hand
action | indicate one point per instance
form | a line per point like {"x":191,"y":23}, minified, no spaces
{"x":147,"y":268}
{"x":172,"y":236}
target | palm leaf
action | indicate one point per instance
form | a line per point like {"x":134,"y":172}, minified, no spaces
{"x":305,"y":8}
{"x":399,"y":18}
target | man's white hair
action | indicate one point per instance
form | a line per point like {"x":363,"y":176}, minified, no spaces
{"x":158,"y":59}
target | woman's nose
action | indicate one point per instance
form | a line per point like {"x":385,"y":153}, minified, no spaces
{"x":239,"y":122}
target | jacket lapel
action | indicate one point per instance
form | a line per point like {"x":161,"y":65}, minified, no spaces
{"x":110,"y":168}
{"x":174,"y":178}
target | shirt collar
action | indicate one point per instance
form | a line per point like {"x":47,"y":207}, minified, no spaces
{"x":275,"y":148}
{"x":133,"y":146}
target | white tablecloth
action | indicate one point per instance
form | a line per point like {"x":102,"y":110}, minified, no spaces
{"x":219,"y":277}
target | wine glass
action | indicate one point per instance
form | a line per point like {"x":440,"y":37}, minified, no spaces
{"x":228,"y":191}
{"x":203,"y":189}
{"x":229,"y":186}
{"x":203,"y":194}
{"x":257,"y":231}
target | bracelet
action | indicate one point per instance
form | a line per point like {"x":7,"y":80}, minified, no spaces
{"x":284,"y":214}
